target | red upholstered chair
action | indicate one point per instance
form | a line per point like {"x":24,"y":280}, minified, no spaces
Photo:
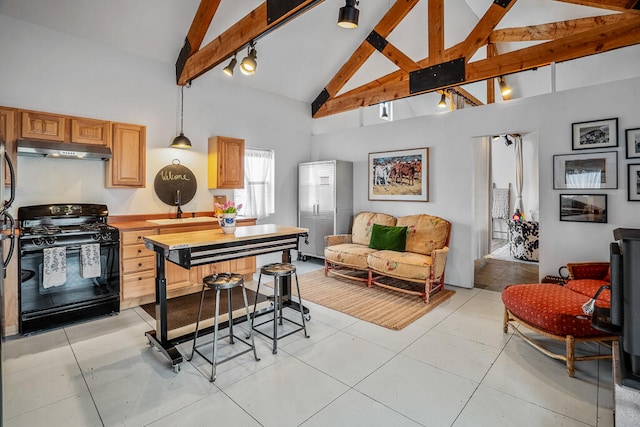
{"x":555,"y":311}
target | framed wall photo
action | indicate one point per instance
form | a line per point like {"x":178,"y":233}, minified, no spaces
{"x":399,"y":175}
{"x":633,"y":178}
{"x":583,"y":207}
{"x":585,"y":170}
{"x":595,"y":134}
{"x":633,"y":143}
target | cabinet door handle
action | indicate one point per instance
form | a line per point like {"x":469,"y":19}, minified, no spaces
{"x":139,"y":264}
{"x":139,"y":251}
{"x":139,"y":237}
{"x":139,"y":278}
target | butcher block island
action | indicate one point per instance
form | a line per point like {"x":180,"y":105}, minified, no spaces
{"x":138,"y":264}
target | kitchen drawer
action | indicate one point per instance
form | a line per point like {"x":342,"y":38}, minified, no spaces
{"x":136,"y":251}
{"x":137,"y":285}
{"x":138,"y":264}
{"x":136,"y":236}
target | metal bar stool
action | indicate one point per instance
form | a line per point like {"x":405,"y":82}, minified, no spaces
{"x":218,"y":282}
{"x":279,"y":271}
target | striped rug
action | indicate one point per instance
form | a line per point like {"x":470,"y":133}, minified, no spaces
{"x":384,"y":307}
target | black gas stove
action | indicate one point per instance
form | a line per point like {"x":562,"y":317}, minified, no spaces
{"x":69,"y":265}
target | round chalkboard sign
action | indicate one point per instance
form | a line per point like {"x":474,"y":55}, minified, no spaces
{"x":175,"y":184}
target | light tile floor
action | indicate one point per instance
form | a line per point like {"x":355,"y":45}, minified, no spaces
{"x":452,"y":367}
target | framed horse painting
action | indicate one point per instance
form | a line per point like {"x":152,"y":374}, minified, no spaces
{"x":399,"y":175}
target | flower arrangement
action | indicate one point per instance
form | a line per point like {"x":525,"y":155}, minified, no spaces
{"x":228,"y":207}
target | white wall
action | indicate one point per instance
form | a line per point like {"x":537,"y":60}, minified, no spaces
{"x":449,"y":135}
{"x":50,"y":71}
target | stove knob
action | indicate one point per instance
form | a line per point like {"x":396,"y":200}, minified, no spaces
{"x":50,"y":240}
{"x":39,"y":241}
{"x":95,"y":236}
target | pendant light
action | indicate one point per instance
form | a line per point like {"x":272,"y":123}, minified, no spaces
{"x":348,"y":15}
{"x":181,"y":141}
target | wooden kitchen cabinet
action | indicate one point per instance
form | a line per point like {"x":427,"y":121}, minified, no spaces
{"x":45,"y":126}
{"x":90,"y":131}
{"x":127,"y":167}
{"x":8,"y":135}
{"x":226,"y":162}
{"x":137,"y":269}
{"x":11,"y":292}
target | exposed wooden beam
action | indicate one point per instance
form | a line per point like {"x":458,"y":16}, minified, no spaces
{"x":396,"y":56}
{"x":396,"y":85}
{"x":436,"y":29}
{"x":480,"y":33}
{"x":554,"y":30}
{"x":491,"y":83}
{"x":250,"y":27}
{"x":201,"y":22}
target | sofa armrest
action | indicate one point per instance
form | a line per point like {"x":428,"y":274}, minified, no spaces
{"x":439,"y":260}
{"x":337,"y":239}
{"x":588,"y":270}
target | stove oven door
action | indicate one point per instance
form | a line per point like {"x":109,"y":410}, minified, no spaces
{"x":77,"y":299}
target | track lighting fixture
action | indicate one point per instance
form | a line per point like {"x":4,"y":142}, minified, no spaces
{"x":507,"y":140}
{"x":228,"y":70}
{"x":249,"y":63}
{"x":443,"y":101}
{"x":386,"y":111}
{"x":348,"y":15}
{"x":505,"y":90}
{"x":181,"y":141}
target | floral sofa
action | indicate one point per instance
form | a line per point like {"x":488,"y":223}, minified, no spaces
{"x":557,"y":311}
{"x":421,"y":262}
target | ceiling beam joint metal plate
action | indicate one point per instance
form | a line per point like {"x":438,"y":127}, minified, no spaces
{"x":377,"y":41}
{"x":503,"y":3}
{"x":319,"y":101}
{"x":437,"y":76}
{"x":276,"y":9}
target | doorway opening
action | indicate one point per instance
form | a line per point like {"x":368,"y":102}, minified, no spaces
{"x":500,"y":189}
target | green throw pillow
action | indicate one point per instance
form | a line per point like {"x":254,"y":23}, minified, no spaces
{"x":386,"y":237}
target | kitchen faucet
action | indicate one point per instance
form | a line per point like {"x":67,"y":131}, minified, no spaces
{"x":178,"y":202}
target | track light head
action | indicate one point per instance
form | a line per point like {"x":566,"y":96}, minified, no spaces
{"x":507,"y":141}
{"x":386,"y":110}
{"x":505,"y":90}
{"x":249,"y":63}
{"x":443,"y":101}
{"x":228,"y":70}
{"x":348,"y":15}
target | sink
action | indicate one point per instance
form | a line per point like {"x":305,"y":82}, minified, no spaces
{"x":189,"y":220}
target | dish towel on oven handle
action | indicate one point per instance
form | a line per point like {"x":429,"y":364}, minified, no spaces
{"x":54,"y":267}
{"x":90,"y":259}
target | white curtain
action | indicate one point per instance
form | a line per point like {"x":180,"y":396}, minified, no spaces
{"x":258,"y":183}
{"x":519,"y":173}
{"x":457,"y":100}
{"x":583,"y":180}
{"x":482,"y":196}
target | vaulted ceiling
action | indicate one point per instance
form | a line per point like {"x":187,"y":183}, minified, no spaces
{"x":616,"y":24}
{"x":401,"y":48}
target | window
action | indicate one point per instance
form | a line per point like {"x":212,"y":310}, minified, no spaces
{"x":258,"y":195}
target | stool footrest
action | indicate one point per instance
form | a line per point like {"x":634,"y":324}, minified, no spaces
{"x":233,"y":356}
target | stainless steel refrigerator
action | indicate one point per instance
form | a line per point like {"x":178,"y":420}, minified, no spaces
{"x":8,"y":230}
{"x":325,"y":202}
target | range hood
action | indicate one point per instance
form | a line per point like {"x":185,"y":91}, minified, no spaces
{"x":63,"y":150}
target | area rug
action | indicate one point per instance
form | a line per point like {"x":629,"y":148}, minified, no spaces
{"x":384,"y":307}
{"x":183,"y":311}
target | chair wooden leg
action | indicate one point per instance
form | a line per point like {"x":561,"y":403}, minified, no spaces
{"x":326,"y":268}
{"x":370,"y":279}
{"x":505,"y":321}
{"x":571,"y":355}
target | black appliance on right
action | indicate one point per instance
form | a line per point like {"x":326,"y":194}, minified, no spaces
{"x":625,"y":301}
